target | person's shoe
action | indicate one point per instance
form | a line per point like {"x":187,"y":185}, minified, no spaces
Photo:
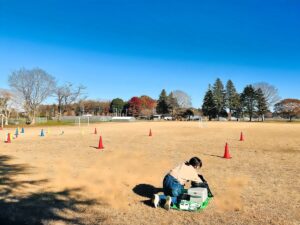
{"x":167,"y":205}
{"x":155,"y":200}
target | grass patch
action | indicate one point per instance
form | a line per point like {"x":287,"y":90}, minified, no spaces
{"x":49,"y":123}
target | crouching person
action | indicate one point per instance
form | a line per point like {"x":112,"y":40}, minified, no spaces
{"x":174,"y":181}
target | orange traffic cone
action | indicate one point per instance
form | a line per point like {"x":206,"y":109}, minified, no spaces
{"x":226,"y":153}
{"x":150,"y":133}
{"x":95,"y":132}
{"x":100,"y":146}
{"x":242,"y":137}
{"x":8,"y":138}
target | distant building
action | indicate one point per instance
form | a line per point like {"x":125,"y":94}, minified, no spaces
{"x":156,"y":117}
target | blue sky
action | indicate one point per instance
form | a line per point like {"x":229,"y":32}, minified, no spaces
{"x":119,"y":48}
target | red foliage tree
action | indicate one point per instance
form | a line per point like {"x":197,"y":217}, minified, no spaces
{"x":288,"y":107}
{"x":135,"y":106}
{"x":148,"y":105}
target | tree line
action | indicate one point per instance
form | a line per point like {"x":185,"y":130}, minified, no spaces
{"x":31,"y":87}
{"x":255,"y":101}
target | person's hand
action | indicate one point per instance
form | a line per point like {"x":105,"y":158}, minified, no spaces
{"x":202,"y":178}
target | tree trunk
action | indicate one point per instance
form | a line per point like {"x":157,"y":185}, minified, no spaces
{"x":6,"y":117}
{"x":6,"y":120}
{"x":229,"y":115}
{"x":59,"y":116}
{"x":31,"y":118}
{"x":1,"y":120}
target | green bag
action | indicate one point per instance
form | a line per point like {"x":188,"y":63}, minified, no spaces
{"x":191,"y":205}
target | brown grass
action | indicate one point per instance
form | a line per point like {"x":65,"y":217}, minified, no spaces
{"x":68,"y":181}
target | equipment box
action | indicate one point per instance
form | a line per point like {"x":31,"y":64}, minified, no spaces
{"x":198,"y":194}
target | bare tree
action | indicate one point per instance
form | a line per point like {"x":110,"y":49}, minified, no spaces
{"x":67,"y":95}
{"x":183,"y":99}
{"x":270,"y":93}
{"x":9,"y":104}
{"x":33,"y":86}
{"x":5,"y":105}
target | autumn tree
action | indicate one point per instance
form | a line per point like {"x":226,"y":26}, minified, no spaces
{"x":88,"y":107}
{"x":288,"y":108}
{"x":103,"y":107}
{"x":135,"y":106}
{"x":148,"y":105}
{"x":94,"y":107}
{"x":45,"y":111}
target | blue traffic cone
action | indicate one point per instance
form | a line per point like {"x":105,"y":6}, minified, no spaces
{"x":42,"y":133}
{"x":22,"y":130}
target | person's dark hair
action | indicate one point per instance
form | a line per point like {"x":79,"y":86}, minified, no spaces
{"x":195,"y":162}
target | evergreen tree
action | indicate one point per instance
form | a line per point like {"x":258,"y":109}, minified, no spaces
{"x":172,"y":103}
{"x":249,"y":101}
{"x":262,"y":106}
{"x":162,"y":103}
{"x":117,"y":105}
{"x":238,"y":106}
{"x":209,"y":106}
{"x":188,"y":113}
{"x":219,"y":97}
{"x":231,"y":98}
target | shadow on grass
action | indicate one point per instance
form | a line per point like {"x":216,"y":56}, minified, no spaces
{"x":39,"y":207}
{"x":218,"y":156}
{"x":147,"y":191}
{"x":96,"y":147}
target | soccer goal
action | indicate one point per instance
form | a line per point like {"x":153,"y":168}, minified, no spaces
{"x":202,"y":122}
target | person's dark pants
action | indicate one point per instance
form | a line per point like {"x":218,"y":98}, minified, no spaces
{"x":171,"y":187}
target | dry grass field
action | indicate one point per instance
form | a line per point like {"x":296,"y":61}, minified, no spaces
{"x":64,"y":179}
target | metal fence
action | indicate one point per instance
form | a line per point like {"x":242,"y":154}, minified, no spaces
{"x":17,"y":121}
{"x":85,"y":119}
{"x":77,"y":120}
